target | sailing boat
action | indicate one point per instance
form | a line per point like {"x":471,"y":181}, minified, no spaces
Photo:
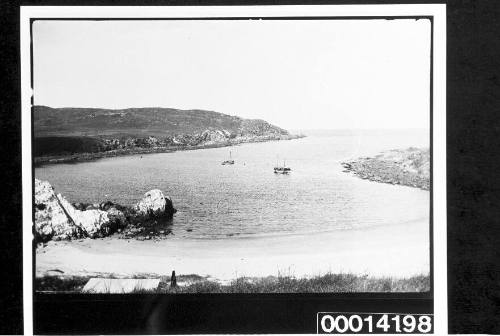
{"x":230,"y":161}
{"x":283,"y":169}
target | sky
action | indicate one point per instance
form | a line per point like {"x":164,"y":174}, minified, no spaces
{"x":297,"y":74}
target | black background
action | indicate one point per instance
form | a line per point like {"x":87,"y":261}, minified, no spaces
{"x":473,"y":160}
{"x":205,"y":313}
{"x":393,"y":323}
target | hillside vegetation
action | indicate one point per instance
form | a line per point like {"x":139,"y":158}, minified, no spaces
{"x":193,"y":284}
{"x":92,"y":133}
{"x":141,"y":122}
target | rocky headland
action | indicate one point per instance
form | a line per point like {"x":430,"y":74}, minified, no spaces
{"x":80,"y":134}
{"x":408,"y":167}
{"x":57,"y":219}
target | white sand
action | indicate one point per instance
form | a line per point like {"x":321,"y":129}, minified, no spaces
{"x":396,"y":250}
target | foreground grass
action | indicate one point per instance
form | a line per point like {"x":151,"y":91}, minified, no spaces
{"x":60,"y":283}
{"x":328,"y":283}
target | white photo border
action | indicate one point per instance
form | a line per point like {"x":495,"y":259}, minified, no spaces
{"x":438,"y":107}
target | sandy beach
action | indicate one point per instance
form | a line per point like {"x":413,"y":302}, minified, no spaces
{"x":396,"y":250}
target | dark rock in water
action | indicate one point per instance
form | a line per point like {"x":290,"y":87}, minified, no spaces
{"x":106,"y":205}
{"x":117,"y":217}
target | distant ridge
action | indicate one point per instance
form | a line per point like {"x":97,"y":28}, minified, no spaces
{"x":140,"y":122}
{"x":76,"y":134}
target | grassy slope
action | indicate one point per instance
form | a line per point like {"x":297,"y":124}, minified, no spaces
{"x":136,"y":122}
{"x":68,"y":131}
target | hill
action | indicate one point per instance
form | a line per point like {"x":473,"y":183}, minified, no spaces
{"x":141,"y":122}
{"x":64,"y":132}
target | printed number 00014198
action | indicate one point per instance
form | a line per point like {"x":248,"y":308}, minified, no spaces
{"x":374,"y":323}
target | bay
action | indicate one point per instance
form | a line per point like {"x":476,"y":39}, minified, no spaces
{"x":246,"y":199}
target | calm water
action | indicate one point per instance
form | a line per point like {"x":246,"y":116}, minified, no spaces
{"x":247,"y":198}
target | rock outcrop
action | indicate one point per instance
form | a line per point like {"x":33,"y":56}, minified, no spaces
{"x":154,"y":203}
{"x":94,"y":223}
{"x":209,"y":137}
{"x":409,"y":167}
{"x":56,"y":218}
{"x":51,"y":219}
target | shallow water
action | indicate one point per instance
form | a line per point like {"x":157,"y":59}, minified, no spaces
{"x":247,"y":198}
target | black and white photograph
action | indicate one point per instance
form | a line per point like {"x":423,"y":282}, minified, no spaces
{"x":232,"y":156}
{"x":239,"y":154}
{"x":251,"y":167}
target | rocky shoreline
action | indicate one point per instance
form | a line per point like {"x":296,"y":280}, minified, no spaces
{"x":408,"y":167}
{"x":57,"y":219}
{"x":152,"y":145}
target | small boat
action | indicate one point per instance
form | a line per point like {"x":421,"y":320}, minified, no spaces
{"x":282,"y":170}
{"x":228,"y":162}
